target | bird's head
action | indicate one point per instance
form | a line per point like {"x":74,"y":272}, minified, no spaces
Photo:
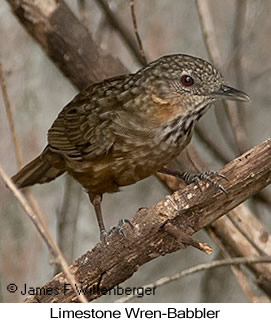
{"x":189,"y":82}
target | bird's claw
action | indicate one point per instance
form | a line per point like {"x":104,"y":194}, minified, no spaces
{"x":205,"y":177}
{"x":103,"y":235}
{"x":119,"y":228}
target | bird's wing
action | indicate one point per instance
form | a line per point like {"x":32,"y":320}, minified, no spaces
{"x":83,"y":129}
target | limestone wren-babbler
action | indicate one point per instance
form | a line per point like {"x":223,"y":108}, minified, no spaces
{"x":126,"y":128}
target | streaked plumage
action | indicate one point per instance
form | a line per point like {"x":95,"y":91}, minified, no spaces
{"x":124,"y":129}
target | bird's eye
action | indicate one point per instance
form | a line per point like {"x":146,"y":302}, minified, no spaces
{"x":187,"y":80}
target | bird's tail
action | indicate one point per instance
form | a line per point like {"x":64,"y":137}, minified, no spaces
{"x":38,"y":171}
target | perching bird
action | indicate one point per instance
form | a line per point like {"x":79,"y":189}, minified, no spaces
{"x":121,"y":130}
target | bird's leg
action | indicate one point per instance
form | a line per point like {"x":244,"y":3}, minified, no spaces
{"x":96,"y":200}
{"x":196,"y":178}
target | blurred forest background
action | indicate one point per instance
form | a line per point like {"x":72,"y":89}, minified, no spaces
{"x":38,"y":91}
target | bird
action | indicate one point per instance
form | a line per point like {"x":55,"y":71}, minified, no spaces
{"x":126,"y":128}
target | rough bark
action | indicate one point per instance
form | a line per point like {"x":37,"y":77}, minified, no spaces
{"x":72,"y":48}
{"x":66,"y":41}
{"x":190,"y":210}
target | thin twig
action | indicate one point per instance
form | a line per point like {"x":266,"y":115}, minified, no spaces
{"x":132,"y":6}
{"x":45,"y":234}
{"x":183,"y":238}
{"x":18,"y":151}
{"x":239,"y":28}
{"x":122,"y":30}
{"x":213,"y":264}
{"x":250,"y":29}
{"x":238,"y":272}
{"x":246,"y":235}
{"x":83,"y":11}
{"x":214,"y":53}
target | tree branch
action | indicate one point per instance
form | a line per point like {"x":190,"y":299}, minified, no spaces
{"x":66,"y":41}
{"x":77,"y":59}
{"x":111,"y":263}
{"x":120,"y":28}
{"x":45,"y":234}
{"x":186,"y":272}
{"x":214,"y":53}
{"x":141,"y":49}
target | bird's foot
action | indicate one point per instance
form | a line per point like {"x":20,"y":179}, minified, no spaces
{"x":189,"y":178}
{"x":103,"y":235}
{"x":205,"y":177}
{"x":117,"y":229}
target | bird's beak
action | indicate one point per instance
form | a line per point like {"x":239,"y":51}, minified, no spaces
{"x":229,"y":93}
